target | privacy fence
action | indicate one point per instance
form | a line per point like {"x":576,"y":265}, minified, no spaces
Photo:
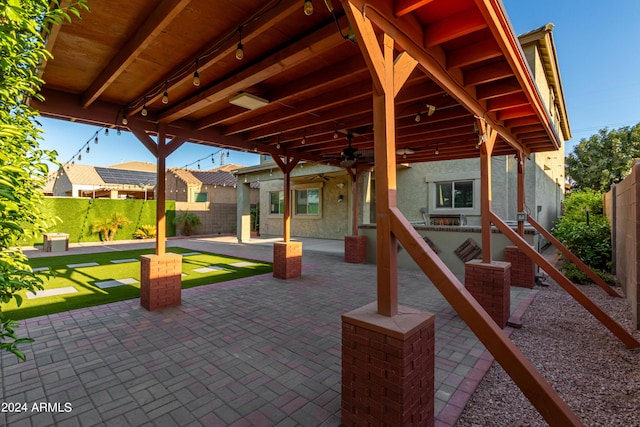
{"x":622,"y":206}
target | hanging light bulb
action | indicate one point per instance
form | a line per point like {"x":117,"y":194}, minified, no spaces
{"x":88,"y":149}
{"x":240,"y":50}
{"x":308,"y":7}
{"x":304,"y":138}
{"x":118,"y":132}
{"x":79,"y":156}
{"x":198,"y":165}
{"x":125,"y":121}
{"x":227,"y":153}
{"x":417,"y":118}
{"x":144,"y":111}
{"x":213,"y":161}
{"x":165,"y":95}
{"x":95,"y":140}
{"x":278,"y":145}
{"x":196,"y":75}
{"x":106,"y":131}
{"x":437,"y":152}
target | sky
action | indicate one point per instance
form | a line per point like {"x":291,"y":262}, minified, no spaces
{"x":598,"y":48}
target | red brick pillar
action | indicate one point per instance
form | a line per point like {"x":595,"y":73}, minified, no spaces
{"x":355,"y":249}
{"x":490,"y":284}
{"x":287,"y":260}
{"x":160,"y":281}
{"x":388,"y":368}
{"x":523,"y":272}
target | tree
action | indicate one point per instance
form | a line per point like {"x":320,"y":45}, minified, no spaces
{"x":109,"y":227}
{"x":603,"y":159}
{"x":23,"y":24}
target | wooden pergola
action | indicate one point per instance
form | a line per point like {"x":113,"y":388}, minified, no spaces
{"x":170,"y":71}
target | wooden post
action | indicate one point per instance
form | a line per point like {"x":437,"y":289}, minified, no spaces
{"x":161,"y":220}
{"x":286,"y":220}
{"x":388,"y":74}
{"x":520,"y":197}
{"x":486,"y":141}
{"x":353,"y":173}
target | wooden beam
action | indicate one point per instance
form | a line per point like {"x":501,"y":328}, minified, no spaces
{"x":369,"y":45}
{"x":403,"y":7}
{"x":473,"y":53}
{"x":292,"y":55}
{"x":487,"y":73}
{"x":161,"y":16}
{"x":615,"y":328}
{"x":254,"y":30}
{"x":573,"y":258}
{"x":498,"y":88}
{"x":146,"y":140}
{"x":533,"y":385}
{"x":507,"y":101}
{"x":403,"y":66}
{"x":432,"y":62}
{"x":453,"y":26}
{"x":517,"y":112}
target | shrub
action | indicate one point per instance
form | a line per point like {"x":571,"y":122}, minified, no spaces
{"x":591,"y":242}
{"x":187,"y":221}
{"x":146,"y":231}
{"x":108,"y":227}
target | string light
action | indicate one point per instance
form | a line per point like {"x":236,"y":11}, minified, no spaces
{"x":144,"y":108}
{"x":304,"y":138}
{"x":196,"y":75}
{"x":95,"y":140}
{"x":118,"y":132}
{"x":106,"y":132}
{"x":165,"y":95}
{"x":240,"y":50}
{"x":308,"y":8}
{"x":437,"y":152}
{"x":88,"y":149}
{"x":186,"y":70}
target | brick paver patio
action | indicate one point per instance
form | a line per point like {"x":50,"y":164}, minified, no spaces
{"x":251,"y":352}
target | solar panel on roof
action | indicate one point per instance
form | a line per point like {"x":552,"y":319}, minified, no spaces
{"x":124,"y":176}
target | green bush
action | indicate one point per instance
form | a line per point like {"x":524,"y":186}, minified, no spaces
{"x":187,"y":221}
{"x":146,"y":231}
{"x":591,"y":242}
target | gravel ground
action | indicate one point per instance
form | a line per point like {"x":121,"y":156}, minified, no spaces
{"x":586,"y":364}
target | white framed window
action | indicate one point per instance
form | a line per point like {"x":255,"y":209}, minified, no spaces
{"x":307,"y":201}
{"x":454,"y":194}
{"x":276,"y":202}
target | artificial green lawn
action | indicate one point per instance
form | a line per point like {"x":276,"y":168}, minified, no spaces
{"x":83,"y":279}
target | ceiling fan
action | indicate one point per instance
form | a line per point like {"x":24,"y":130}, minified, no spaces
{"x":349,"y":155}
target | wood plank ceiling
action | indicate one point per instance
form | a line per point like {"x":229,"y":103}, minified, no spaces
{"x":125,"y":55}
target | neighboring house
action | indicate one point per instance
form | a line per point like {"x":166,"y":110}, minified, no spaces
{"x":445,"y":193}
{"x":134,"y":180}
{"x":210,"y":194}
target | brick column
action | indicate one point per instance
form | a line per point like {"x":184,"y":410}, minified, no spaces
{"x":387,"y":367}
{"x":287,"y":260}
{"x":355,"y":249}
{"x":490,"y":284}
{"x":160,"y":281}
{"x":523,"y":272}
